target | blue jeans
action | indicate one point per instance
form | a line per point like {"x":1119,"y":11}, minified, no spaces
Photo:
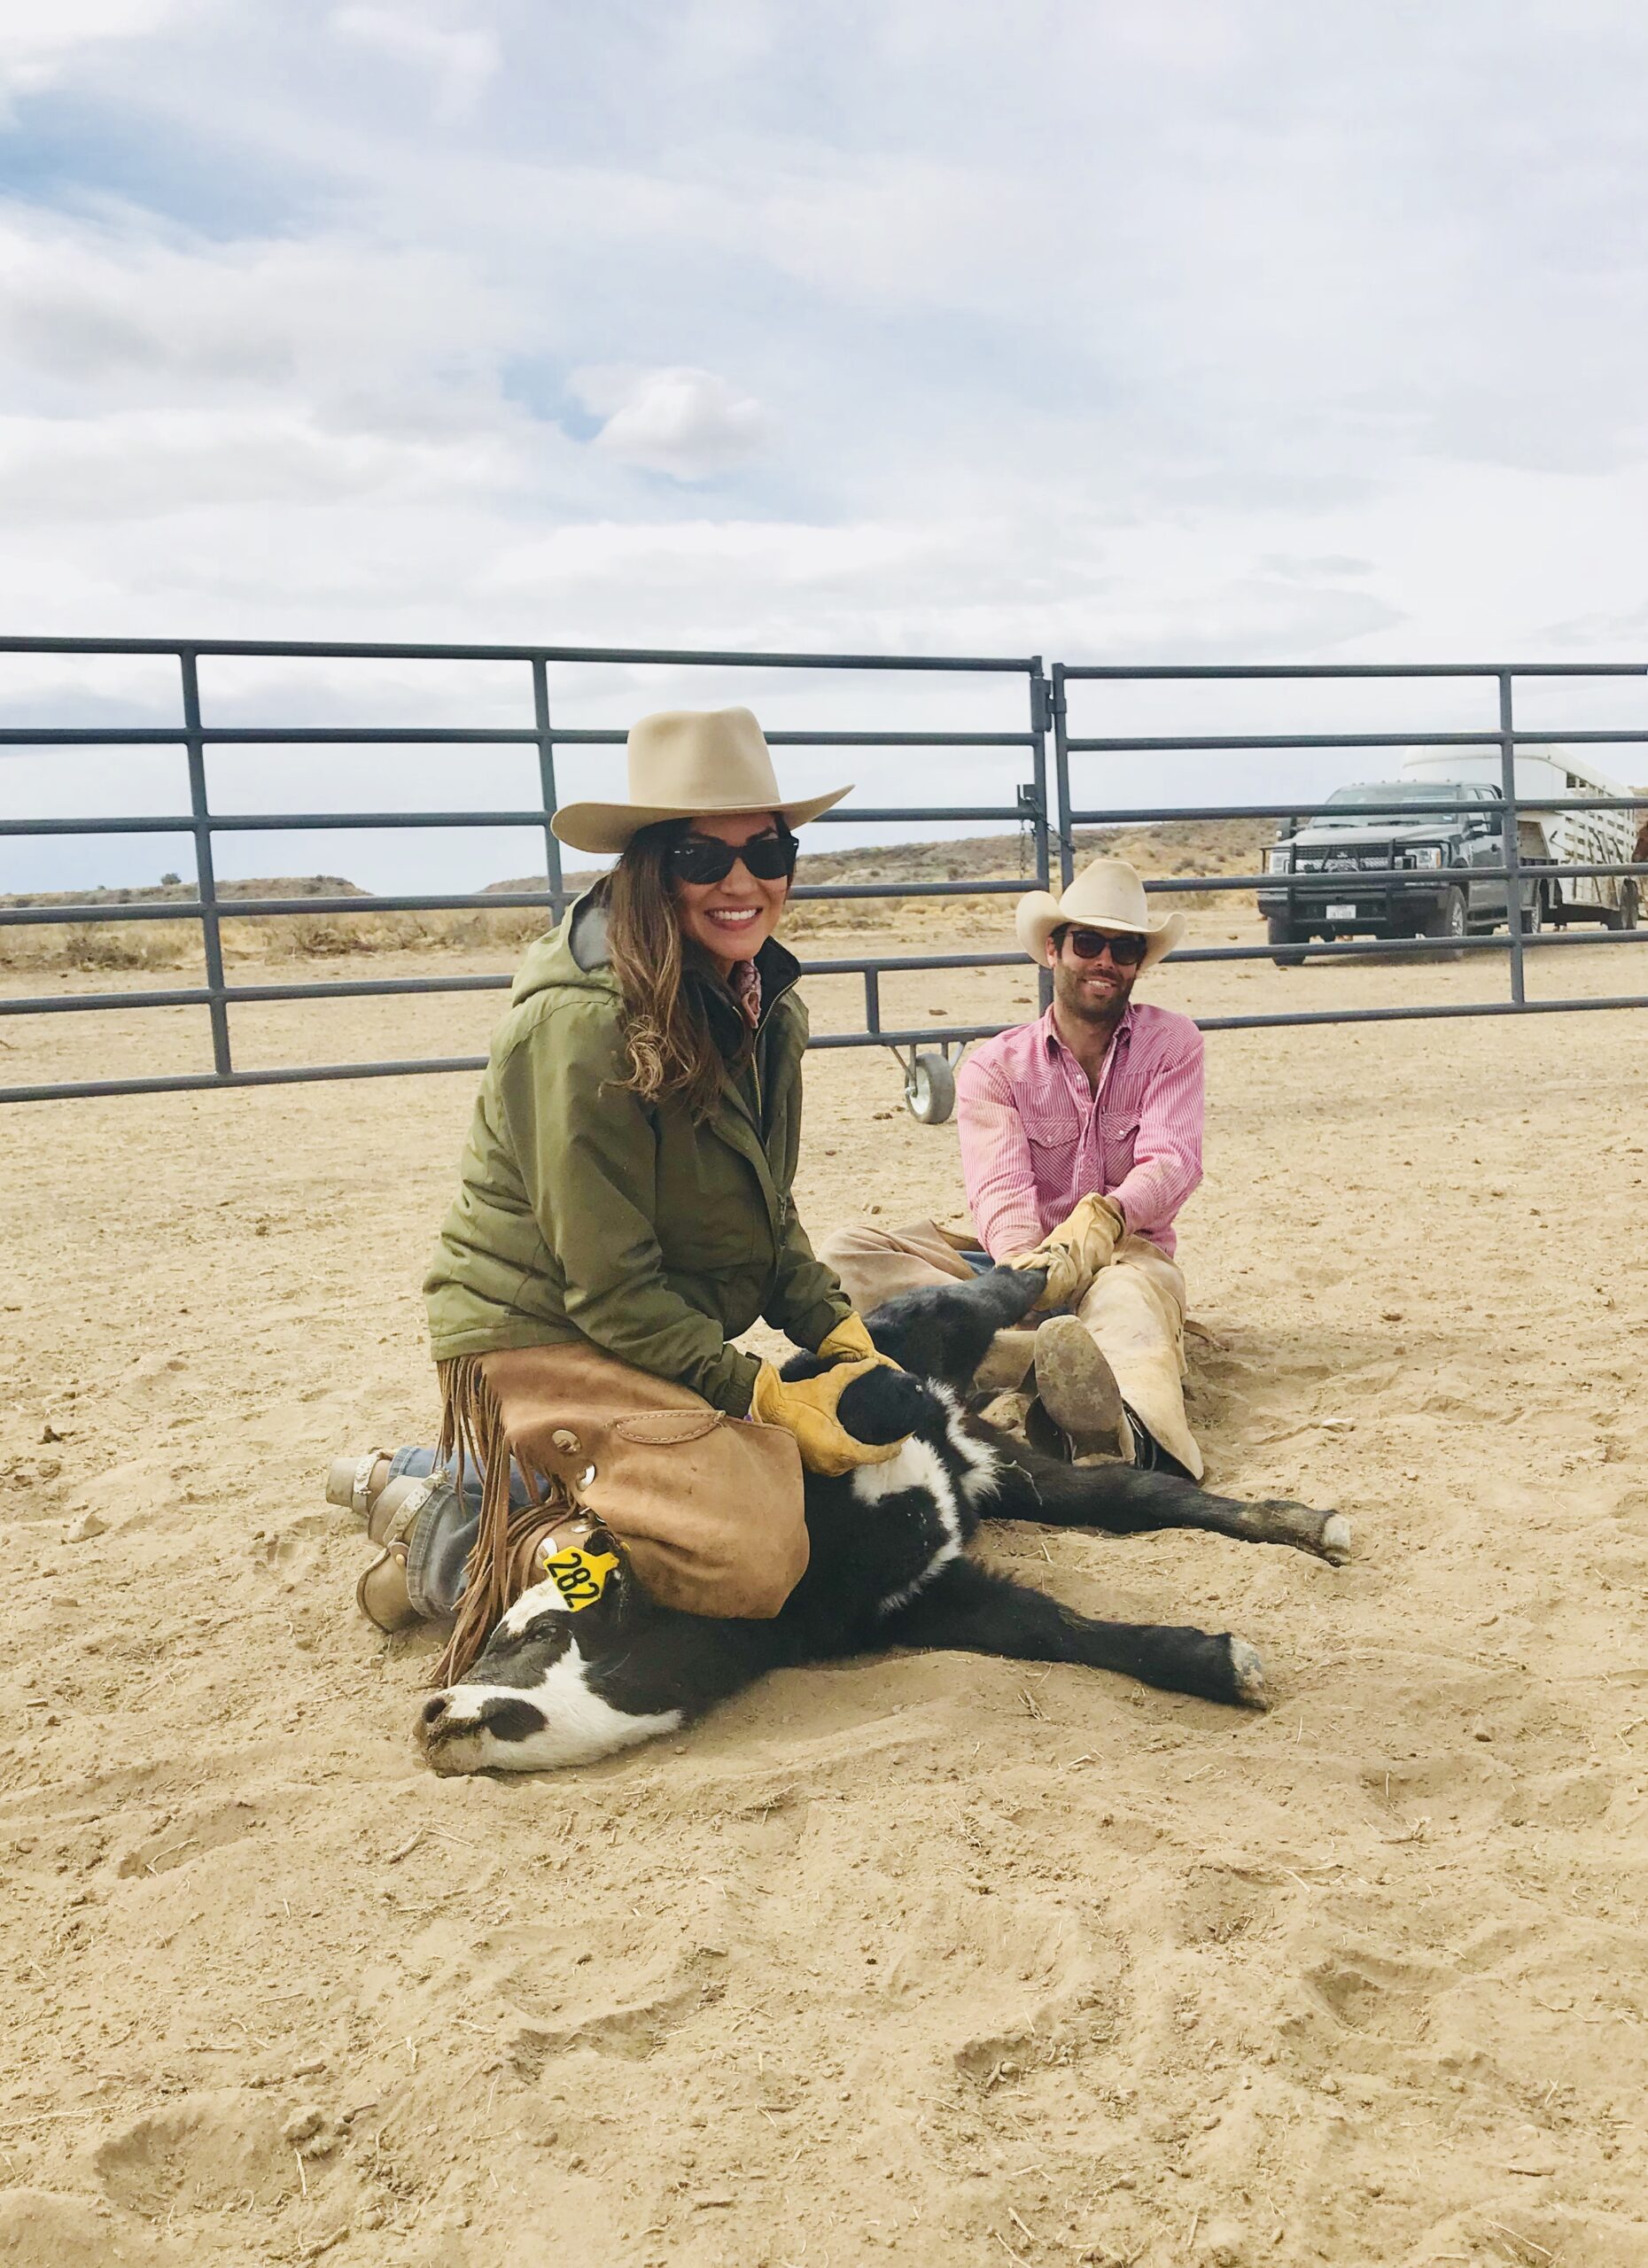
{"x":419,"y":1464}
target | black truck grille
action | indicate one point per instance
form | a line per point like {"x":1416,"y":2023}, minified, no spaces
{"x":1342,"y":862}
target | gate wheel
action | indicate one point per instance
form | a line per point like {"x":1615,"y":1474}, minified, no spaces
{"x":929,"y":1090}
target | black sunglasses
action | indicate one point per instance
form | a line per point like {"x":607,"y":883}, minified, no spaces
{"x":1092,"y":944}
{"x":706,"y":858}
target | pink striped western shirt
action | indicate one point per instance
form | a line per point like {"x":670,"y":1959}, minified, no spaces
{"x":1036,"y":1139}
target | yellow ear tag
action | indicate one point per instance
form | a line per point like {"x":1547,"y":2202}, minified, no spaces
{"x":580,"y":1576}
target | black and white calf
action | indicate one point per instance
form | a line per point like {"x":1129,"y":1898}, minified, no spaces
{"x":888,"y":1567}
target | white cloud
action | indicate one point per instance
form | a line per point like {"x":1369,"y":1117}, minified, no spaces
{"x":459,"y":62}
{"x":39,"y":43}
{"x":152,"y":464}
{"x":686,"y":422}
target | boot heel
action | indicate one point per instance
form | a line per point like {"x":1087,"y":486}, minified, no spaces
{"x":1077,"y":1391}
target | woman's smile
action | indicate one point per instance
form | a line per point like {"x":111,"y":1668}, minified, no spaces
{"x":731,"y":933}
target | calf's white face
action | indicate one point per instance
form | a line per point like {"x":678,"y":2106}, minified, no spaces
{"x":527,"y":1706}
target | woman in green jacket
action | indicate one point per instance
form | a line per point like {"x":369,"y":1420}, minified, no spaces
{"x":625,"y":1209}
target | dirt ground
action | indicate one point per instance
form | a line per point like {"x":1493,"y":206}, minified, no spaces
{"x":930,"y":1958}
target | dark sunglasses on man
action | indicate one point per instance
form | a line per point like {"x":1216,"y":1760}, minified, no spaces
{"x":1092,"y":944}
{"x":706,"y":858}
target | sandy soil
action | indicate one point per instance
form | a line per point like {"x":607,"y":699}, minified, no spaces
{"x":923,"y":1957}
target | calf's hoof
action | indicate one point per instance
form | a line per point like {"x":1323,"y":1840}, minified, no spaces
{"x":1278,"y":1519}
{"x":1248,"y":1675}
{"x":1335,"y":1544}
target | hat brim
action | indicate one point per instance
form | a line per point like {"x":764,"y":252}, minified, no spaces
{"x":1037,"y":916}
{"x":612,"y":827}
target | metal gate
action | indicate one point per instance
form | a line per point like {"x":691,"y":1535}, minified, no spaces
{"x":927,"y":1054}
{"x":1504,"y":737}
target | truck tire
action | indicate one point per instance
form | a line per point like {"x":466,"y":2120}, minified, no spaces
{"x":1623,"y":916}
{"x":1448,"y":922}
{"x":1283,"y":932}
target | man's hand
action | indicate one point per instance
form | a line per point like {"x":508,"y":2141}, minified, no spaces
{"x":1073,"y":1254}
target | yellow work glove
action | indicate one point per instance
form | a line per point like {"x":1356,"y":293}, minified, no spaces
{"x":1075,"y":1251}
{"x":807,"y":1408}
{"x":849,"y":1342}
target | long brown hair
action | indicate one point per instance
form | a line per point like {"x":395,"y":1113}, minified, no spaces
{"x":673,"y":1051}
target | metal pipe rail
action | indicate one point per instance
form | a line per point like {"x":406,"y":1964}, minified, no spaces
{"x":1307,"y":807}
{"x":1168,"y":885}
{"x":57,"y":1004}
{"x":361,"y":822}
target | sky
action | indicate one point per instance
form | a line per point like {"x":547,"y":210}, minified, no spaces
{"x":1131,"y":331}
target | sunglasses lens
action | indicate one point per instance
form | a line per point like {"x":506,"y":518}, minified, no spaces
{"x":770,"y":857}
{"x":702,"y":858}
{"x":706,"y":858}
{"x":1090,"y":944}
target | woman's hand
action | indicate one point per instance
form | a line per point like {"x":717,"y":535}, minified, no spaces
{"x":851,"y":1343}
{"x":807,"y":1409}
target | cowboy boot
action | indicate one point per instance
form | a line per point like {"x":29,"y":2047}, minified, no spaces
{"x":425,"y":1530}
{"x":1078,"y":1411}
{"x":355,"y":1483}
{"x":382,"y":1594}
{"x":1007,"y":1363}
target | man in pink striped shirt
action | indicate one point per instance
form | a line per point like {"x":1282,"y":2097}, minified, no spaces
{"x":1081,"y":1138}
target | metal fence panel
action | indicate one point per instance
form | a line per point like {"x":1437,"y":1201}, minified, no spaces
{"x":196,"y":735}
{"x":1049,"y":817}
{"x":1504,"y":736}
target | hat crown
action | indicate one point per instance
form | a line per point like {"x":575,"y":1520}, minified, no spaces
{"x":686,"y":763}
{"x":710,"y":760}
{"x":1107,"y":894}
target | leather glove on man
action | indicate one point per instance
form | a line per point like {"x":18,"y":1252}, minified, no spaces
{"x":807,"y":1408}
{"x":1075,"y":1251}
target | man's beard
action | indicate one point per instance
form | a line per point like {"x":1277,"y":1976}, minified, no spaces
{"x":1067,"y":990}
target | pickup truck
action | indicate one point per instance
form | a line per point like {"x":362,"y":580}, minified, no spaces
{"x":1324,"y":878}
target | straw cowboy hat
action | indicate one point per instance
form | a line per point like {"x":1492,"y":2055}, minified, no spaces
{"x":688,"y":764}
{"x":1107,"y":894}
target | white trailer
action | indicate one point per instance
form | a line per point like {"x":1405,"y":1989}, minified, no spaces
{"x":1581,"y":838}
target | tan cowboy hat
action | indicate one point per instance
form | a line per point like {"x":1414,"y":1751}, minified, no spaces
{"x":1107,"y":894}
{"x":688,"y":764}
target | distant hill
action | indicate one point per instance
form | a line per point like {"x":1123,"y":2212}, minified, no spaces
{"x":182,"y":893}
{"x":1179,"y":847}
{"x":1176,"y":847}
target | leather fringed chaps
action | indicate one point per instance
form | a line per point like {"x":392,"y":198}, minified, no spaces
{"x":473,"y":1439}
{"x":709,"y":1510}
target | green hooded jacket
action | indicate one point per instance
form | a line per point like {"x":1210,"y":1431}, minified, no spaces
{"x":587,"y":1216}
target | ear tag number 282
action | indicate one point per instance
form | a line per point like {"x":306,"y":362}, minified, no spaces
{"x":580,"y":1576}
